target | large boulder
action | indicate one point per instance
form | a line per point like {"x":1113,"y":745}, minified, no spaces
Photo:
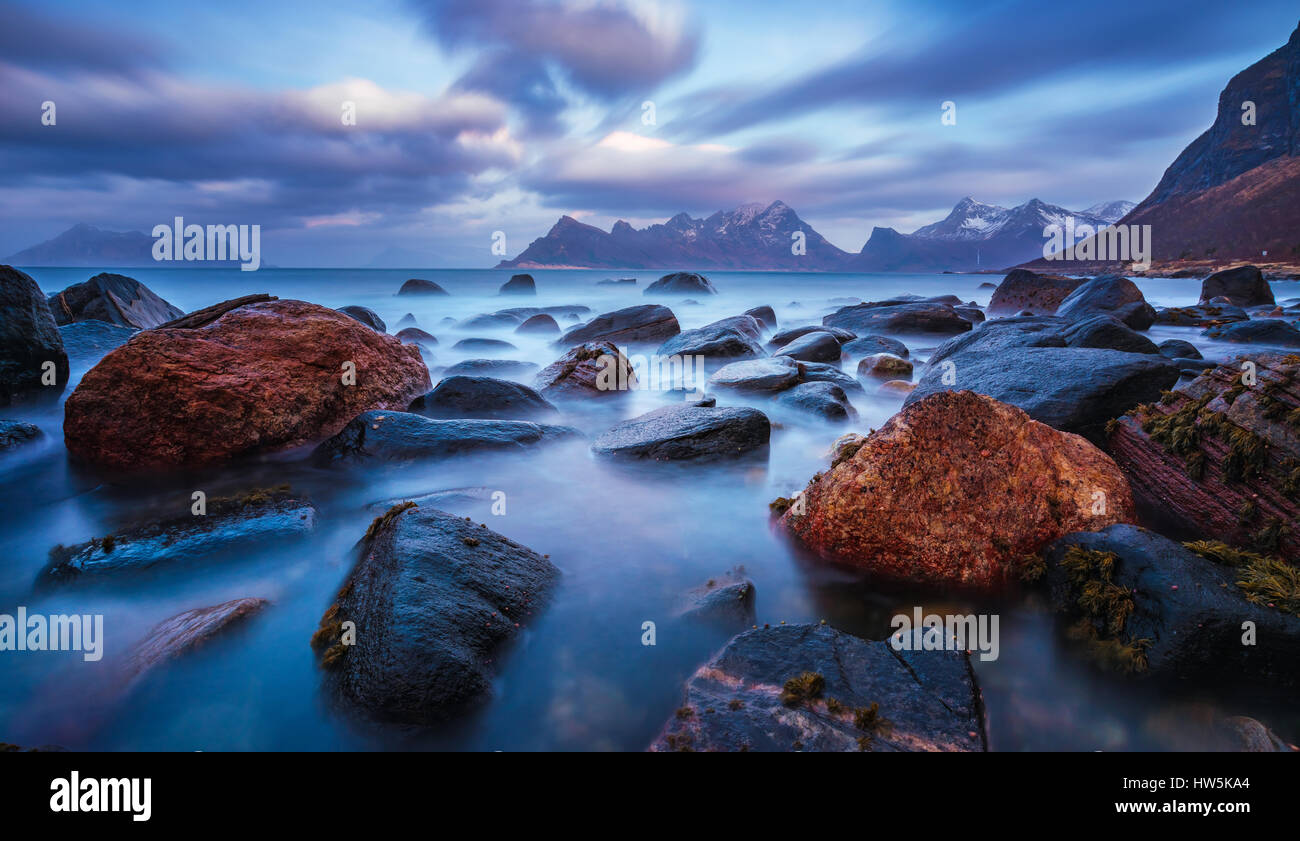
{"x":404,"y":436}
{"x":687,"y":433}
{"x":520,"y":284}
{"x":814,"y":688}
{"x":29,"y":338}
{"x":681,"y":283}
{"x":1142,"y":603}
{"x":114,"y":298}
{"x":590,"y":369}
{"x":817,"y":346}
{"x":481,"y":397}
{"x":261,"y":376}
{"x":1025,"y":291}
{"x":1112,"y":295}
{"x":889,"y":317}
{"x":1106,"y":331}
{"x":1218,"y":458}
{"x":644,"y":324}
{"x":419,"y":286}
{"x":366,"y":316}
{"x":957,"y":489}
{"x":1271,"y":332}
{"x":731,"y":338}
{"x":434,"y":600}
{"x":1243,"y":286}
{"x":824,"y":399}
{"x":766,"y":316}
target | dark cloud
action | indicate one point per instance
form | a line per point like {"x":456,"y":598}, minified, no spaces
{"x":33,"y":40}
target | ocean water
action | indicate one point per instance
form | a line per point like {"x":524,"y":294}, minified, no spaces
{"x":629,"y":541}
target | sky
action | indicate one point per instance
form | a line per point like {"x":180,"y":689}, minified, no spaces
{"x":474,"y":117}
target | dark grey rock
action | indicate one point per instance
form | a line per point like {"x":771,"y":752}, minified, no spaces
{"x":481,"y":397}
{"x":687,"y":433}
{"x":366,"y":316}
{"x":681,"y":283}
{"x":1244,"y":286}
{"x":647,"y":323}
{"x":817,"y":346}
{"x":403,"y":436}
{"x":113,"y":298}
{"x":29,"y":338}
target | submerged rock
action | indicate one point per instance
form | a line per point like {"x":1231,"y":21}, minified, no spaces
{"x":871,"y":345}
{"x":435,"y":601}
{"x":789,"y":334}
{"x":366,"y":316}
{"x":726,"y":602}
{"x":1243,"y":286}
{"x":520,"y":284}
{"x":1270,"y":331}
{"x":765,"y":315}
{"x":184,"y":632}
{"x":29,"y":339}
{"x":414,"y":335}
{"x":681,"y":283}
{"x":540,"y":323}
{"x":1204,"y":315}
{"x":681,"y":433}
{"x":481,"y":397}
{"x":419,"y":286}
{"x":86,"y":342}
{"x":490,"y":321}
{"x":771,"y":374}
{"x":112,"y":298}
{"x":730,"y":338}
{"x":403,"y":436}
{"x":910,"y":317}
{"x":957,"y":489}
{"x":816,"y":346}
{"x":647,"y":323}
{"x":15,"y":433}
{"x":824,"y":399}
{"x":483,"y":345}
{"x":813,"y":688}
{"x":492,"y":368}
{"x":259,"y":377}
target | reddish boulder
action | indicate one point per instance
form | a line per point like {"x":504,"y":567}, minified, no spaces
{"x":957,"y":489}
{"x":590,"y":369}
{"x":257,"y":377}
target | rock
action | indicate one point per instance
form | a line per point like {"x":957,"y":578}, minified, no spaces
{"x":403,"y":437}
{"x":590,"y":369}
{"x":416,"y":336}
{"x":1219,"y":459}
{"x":972,"y":314}
{"x":29,"y":338}
{"x":648,"y":323}
{"x":540,"y":323}
{"x":884,"y":700}
{"x":1001,"y":485}
{"x":232,"y":525}
{"x":622,"y":281}
{"x":492,"y":368}
{"x":789,"y":334}
{"x":817,"y":346}
{"x":525,"y":313}
{"x":1244,"y":286}
{"x":1040,"y":294}
{"x":207,"y":315}
{"x":1204,"y":315}
{"x":366,"y":316}
{"x":765,"y":315}
{"x":1269,"y":332}
{"x":115,"y":299}
{"x":987,"y":285}
{"x":418,"y":286}
{"x":436,"y":600}
{"x":1112,"y":295}
{"x":731,"y":338}
{"x":885,"y":366}
{"x":1106,"y":331}
{"x":15,"y":433}
{"x":681,"y":283}
{"x":1178,"y":349}
{"x":520,"y":284}
{"x":184,"y":632}
{"x":497,"y":345}
{"x":771,"y":374}
{"x":829,"y":372}
{"x":726,"y":602}
{"x":682,"y":433}
{"x":1023,"y":361}
{"x":481,"y":397}
{"x":824,"y":399}
{"x":491,"y":321}
{"x":845,"y":446}
{"x":870,"y":345}
{"x":407,"y":320}
{"x":86,"y":342}
{"x":263,"y":376}
{"x":917,"y":317}
{"x":901,"y":387}
{"x":1144,"y":604}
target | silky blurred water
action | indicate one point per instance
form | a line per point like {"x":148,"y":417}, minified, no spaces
{"x":629,"y":541}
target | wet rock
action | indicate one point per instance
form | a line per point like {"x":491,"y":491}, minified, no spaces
{"x":492,"y":368}
{"x":862,"y":696}
{"x":366,"y":316}
{"x":436,"y":601}
{"x":731,"y":338}
{"x":648,"y":323}
{"x":885,"y":366}
{"x":539,"y":324}
{"x":481,"y":345}
{"x":1106,"y":331}
{"x":1178,"y":349}
{"x":1204,"y":315}
{"x":414,"y":335}
{"x":726,"y":602}
{"x":765,"y":315}
{"x":481,"y":397}
{"x":16,"y":433}
{"x":588,"y":370}
{"x":184,"y":632}
{"x":29,"y":338}
{"x":789,"y":334}
{"x":1040,"y":294}
{"x":826,"y":400}
{"x":86,"y":342}
{"x":817,"y":346}
{"x":112,"y":298}
{"x":845,"y":446}
{"x":1243,"y":286}
{"x":1111,"y":295}
{"x":900,"y":387}
{"x":771,"y":374}
{"x":403,"y":436}
{"x":490,"y":321}
{"x":407,"y":320}
{"x":682,"y":433}
{"x":829,"y":372}
{"x":520,"y":284}
{"x":259,"y":377}
{"x":917,"y":317}
{"x":1271,"y":332}
{"x":972,"y":314}
{"x":419,"y":286}
{"x":870,"y":345}
{"x":231,"y":524}
{"x":525,"y":313}
{"x":1001,"y":485}
{"x":1142,"y":603}
{"x":681,"y":283}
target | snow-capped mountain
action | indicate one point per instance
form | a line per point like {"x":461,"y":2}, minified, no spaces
{"x":1111,"y":211}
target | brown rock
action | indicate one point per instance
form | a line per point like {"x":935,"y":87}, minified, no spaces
{"x":588,"y":369}
{"x":185,"y":631}
{"x":263,"y":376}
{"x":958,"y":488}
{"x":1039,"y":294}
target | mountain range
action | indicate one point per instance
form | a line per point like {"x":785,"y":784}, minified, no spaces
{"x":86,"y":245}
